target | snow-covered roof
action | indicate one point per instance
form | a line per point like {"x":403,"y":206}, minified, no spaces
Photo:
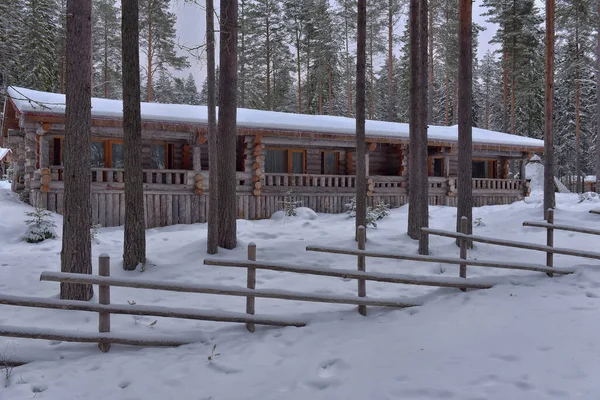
{"x":3,"y":153}
{"x":31,"y":101}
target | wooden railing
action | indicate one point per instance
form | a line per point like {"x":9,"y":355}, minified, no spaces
{"x":306,"y":180}
{"x":117,"y":175}
{"x":497,"y":184}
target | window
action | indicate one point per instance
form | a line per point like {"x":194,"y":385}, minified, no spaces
{"x":276,"y":161}
{"x":436,"y":166}
{"x":485,"y":169}
{"x":296,"y":162}
{"x":57,"y":151}
{"x":117,"y":157}
{"x":159,"y":156}
{"x":97,"y":158}
{"x":330,"y":162}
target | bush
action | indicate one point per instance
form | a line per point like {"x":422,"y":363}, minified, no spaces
{"x":8,"y":174}
{"x":378,"y":213}
{"x":40,"y":227}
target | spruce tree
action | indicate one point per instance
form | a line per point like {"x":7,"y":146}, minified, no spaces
{"x":11,"y":43}
{"x":38,"y":53}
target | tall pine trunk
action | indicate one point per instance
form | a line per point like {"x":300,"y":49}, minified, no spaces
{"x":242,"y":60}
{"x":348,"y":79}
{"x":134,"y":249}
{"x":227,"y":139}
{"x":76,"y":253}
{"x":372,"y":78}
{"x":431,"y":55}
{"x":549,"y":197}
{"x":390,"y":82}
{"x":299,"y":72}
{"x":361,"y":147}
{"x":418,"y":186}
{"x":149,"y":83}
{"x":598,"y":102}
{"x":577,"y":116}
{"x":268,"y":51}
{"x":465,"y":123}
{"x":212,"y":245}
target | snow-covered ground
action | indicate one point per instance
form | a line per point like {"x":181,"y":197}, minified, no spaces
{"x":529,"y":337}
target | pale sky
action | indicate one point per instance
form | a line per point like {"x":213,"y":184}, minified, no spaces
{"x":191,"y":31}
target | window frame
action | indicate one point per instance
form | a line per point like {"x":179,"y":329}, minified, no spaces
{"x":289,"y":158}
{"x":336,"y":154}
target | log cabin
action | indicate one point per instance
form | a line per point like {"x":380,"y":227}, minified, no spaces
{"x":313,"y":157}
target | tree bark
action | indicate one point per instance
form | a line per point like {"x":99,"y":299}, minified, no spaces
{"x":361,"y":147}
{"x":149,"y":89}
{"x":598,"y":103}
{"x":418,"y":181}
{"x":76,"y":253}
{"x":431,"y":55}
{"x":134,"y":250}
{"x":549,"y":197}
{"x":348,"y":80}
{"x":212,"y":244}
{"x":268,"y":51}
{"x":465,"y":123}
{"x":372,"y":78}
{"x":390,"y":83}
{"x":577,"y":112}
{"x":227,"y":139}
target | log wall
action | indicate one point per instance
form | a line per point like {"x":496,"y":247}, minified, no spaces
{"x":165,"y":208}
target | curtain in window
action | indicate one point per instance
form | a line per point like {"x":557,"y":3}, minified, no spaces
{"x":297,"y":162}
{"x":117,"y":155}
{"x":158,"y":156}
{"x":330,"y":163}
{"x":97,"y":155}
{"x":276,"y":161}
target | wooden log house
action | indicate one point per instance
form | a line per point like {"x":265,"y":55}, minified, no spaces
{"x":311,"y":156}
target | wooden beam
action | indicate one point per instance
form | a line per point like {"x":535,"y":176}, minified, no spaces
{"x":443,"y":260}
{"x":221,"y":290}
{"x":90,"y":337}
{"x":519,"y":245}
{"x":352,"y":274}
{"x":157,"y":311}
{"x":562,"y":227}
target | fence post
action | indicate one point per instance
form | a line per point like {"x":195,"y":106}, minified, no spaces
{"x":464,"y":229}
{"x":361,"y":234}
{"x":550,"y":240}
{"x":251,"y":284}
{"x":104,"y":298}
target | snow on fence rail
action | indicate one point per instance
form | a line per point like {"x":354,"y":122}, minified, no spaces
{"x":595,"y":211}
{"x":104,"y":308}
{"x":361,"y":253}
{"x":549,"y":248}
{"x":360,"y":275}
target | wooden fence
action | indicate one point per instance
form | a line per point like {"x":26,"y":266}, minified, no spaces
{"x":104,"y":308}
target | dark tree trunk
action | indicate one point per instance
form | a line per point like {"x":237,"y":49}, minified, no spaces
{"x":577,"y":112}
{"x":227,"y":139}
{"x":134,"y":251}
{"x":212,"y":245}
{"x":76,"y":254}
{"x":361,"y":147}
{"x":390,"y":82}
{"x":268,"y":54}
{"x":598,"y":103}
{"x":431,"y":55}
{"x":348,"y":80}
{"x":418,"y":187}
{"x":465,"y":123}
{"x":149,"y":83}
{"x":549,"y":197}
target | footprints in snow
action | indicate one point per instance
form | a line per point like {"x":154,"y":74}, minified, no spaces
{"x":327,"y":374}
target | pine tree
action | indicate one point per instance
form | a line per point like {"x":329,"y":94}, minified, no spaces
{"x":38,"y":52}
{"x":107,"y":49}
{"x":157,"y":40}
{"x":190,"y":91}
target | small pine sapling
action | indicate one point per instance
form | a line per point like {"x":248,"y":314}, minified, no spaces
{"x":290,"y":205}
{"x":381,"y":211}
{"x":40,"y":226}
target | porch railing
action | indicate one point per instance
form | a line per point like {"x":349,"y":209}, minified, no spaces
{"x":308,"y":180}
